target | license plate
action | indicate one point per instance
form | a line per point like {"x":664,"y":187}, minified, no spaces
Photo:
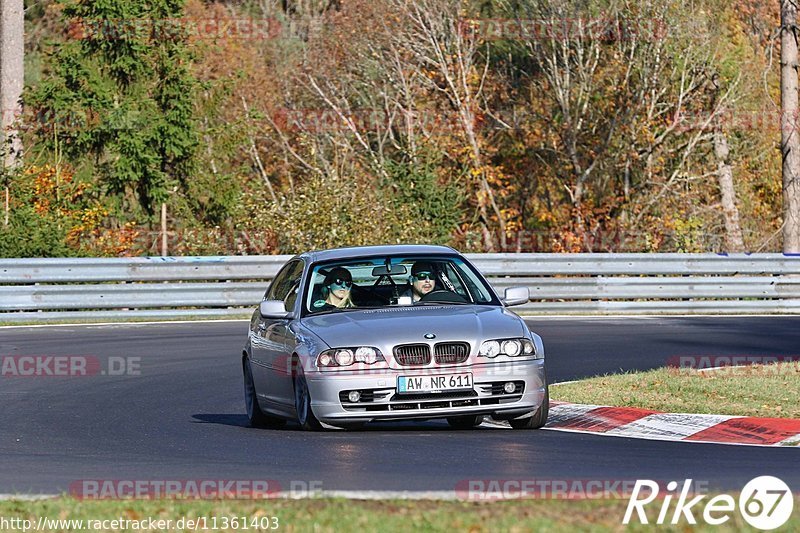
{"x":439,"y":383}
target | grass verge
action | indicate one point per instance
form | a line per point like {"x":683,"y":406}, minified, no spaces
{"x":757,"y":390}
{"x":356,"y":515}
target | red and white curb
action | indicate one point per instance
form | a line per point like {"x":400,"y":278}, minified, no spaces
{"x":646,"y":424}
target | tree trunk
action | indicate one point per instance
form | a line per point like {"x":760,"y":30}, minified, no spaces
{"x":733,"y":231}
{"x":790,"y":142}
{"x":12,"y":48}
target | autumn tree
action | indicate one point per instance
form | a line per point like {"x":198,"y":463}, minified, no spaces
{"x":124,"y":72}
{"x":618,"y":109}
{"x":505,"y":125}
{"x":360,"y":116}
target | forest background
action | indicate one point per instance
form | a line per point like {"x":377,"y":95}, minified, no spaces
{"x":263,"y":126}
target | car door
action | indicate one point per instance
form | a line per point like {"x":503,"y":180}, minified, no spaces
{"x":274,"y":342}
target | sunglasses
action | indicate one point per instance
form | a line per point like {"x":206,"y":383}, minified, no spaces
{"x":344,"y":283}
{"x":423,"y":276}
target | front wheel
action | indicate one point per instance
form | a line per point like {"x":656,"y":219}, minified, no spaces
{"x":302,"y":402}
{"x":539,"y":418}
{"x":255,"y":415}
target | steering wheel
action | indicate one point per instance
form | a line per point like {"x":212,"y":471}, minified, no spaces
{"x":444,"y":296}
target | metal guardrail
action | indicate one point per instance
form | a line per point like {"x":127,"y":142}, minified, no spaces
{"x":173,"y":287}
{"x":140,"y":269}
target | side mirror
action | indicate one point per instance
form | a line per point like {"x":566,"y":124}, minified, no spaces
{"x":516,"y":296}
{"x":274,"y":309}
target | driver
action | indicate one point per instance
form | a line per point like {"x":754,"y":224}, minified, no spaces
{"x":422,"y":280}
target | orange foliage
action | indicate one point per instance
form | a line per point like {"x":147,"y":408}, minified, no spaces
{"x":58,"y":195}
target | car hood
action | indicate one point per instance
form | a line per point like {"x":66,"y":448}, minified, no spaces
{"x":387,"y":327}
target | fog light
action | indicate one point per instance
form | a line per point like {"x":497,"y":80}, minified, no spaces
{"x":509,"y":387}
{"x":354,"y":396}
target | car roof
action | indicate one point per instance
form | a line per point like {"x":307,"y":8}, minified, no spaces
{"x":372,"y":251}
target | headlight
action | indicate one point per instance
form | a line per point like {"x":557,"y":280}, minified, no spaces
{"x":344,"y":357}
{"x":509,"y":347}
{"x":339,"y":357}
{"x":366,"y":354}
{"x":527,"y":347}
{"x":490,"y":349}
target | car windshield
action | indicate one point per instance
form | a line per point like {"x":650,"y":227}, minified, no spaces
{"x":377,"y":282}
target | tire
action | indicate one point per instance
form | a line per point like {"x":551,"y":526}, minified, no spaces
{"x":255,"y":415}
{"x":302,"y":401}
{"x":464,"y":422}
{"x":538,"y":419}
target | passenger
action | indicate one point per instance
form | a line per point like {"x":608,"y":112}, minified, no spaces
{"x":336,"y":289}
{"x":422,"y":281}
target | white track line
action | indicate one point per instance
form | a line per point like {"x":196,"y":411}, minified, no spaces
{"x":27,"y":497}
{"x":664,"y":315}
{"x":122,"y":323}
{"x":347,"y":494}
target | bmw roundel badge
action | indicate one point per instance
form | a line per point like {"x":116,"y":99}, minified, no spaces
{"x":430,"y":336}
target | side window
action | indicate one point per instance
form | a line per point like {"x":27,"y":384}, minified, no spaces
{"x":286,"y":284}
{"x":276,"y":282}
{"x":291,"y":298}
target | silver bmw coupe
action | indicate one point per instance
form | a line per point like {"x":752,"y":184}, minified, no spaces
{"x":353,"y":335}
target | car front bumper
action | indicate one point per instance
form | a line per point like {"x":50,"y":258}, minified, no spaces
{"x":381,"y":401}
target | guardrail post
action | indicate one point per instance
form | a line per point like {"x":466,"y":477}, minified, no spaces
{"x":163,"y":229}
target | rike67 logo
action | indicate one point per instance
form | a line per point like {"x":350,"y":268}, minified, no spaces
{"x":765,"y":503}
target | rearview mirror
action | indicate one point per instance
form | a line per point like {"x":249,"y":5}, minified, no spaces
{"x":274,"y":309}
{"x":516,"y":296}
{"x":397,"y":270}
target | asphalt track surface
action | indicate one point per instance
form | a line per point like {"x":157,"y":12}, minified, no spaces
{"x":183,"y":417}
